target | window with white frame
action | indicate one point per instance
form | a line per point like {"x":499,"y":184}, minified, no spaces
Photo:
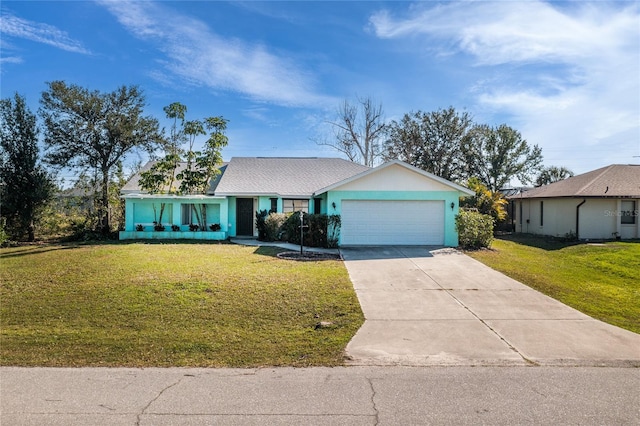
{"x":628,"y":212}
{"x":292,"y":205}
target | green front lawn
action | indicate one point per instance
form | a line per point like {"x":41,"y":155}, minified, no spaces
{"x":601,"y":280}
{"x":177,"y":304}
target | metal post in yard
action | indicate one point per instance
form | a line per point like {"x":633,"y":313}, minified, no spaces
{"x":301,"y":230}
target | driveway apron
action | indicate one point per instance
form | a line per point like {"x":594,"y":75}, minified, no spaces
{"x":437,"y":306}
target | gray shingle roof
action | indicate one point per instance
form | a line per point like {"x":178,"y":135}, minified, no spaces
{"x":132,"y":186}
{"x":614,"y":181}
{"x":285,"y":177}
{"x":277,"y":176}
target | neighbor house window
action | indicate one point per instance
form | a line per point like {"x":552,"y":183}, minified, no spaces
{"x":628,"y":213}
{"x":291,"y":205}
{"x":541,"y":213}
{"x":274,"y":205}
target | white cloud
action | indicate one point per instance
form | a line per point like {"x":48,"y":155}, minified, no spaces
{"x":40,"y":32}
{"x":568,"y":73}
{"x":201,"y":57}
{"x":11,"y":60}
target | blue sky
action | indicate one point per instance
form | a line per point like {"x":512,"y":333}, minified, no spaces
{"x":565,"y":74}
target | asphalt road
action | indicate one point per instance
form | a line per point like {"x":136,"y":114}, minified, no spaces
{"x":321,"y":396}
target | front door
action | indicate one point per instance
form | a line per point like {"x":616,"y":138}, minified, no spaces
{"x":244,"y":216}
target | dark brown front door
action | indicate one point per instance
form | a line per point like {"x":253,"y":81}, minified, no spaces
{"x":244,"y":216}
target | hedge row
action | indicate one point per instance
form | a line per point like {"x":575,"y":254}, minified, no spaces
{"x":319,"y":230}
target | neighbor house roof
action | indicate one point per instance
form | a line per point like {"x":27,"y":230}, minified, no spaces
{"x":284,"y":177}
{"x":614,"y":181}
{"x":133,"y":186}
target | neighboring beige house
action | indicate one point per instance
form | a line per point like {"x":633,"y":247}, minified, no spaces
{"x":601,"y":204}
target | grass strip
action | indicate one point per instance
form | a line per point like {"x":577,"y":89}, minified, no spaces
{"x":178,"y":304}
{"x":602,"y":280}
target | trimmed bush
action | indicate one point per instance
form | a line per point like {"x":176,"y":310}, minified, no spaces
{"x":475,"y":230}
{"x":315,"y":231}
{"x":261,"y":217}
{"x":334,"y":222}
{"x":273,"y":226}
{"x":319,"y":230}
{"x":4,"y":237}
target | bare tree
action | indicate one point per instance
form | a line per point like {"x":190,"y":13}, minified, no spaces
{"x":359,"y":130}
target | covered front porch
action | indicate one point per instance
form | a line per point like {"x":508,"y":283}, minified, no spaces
{"x":197,"y":217}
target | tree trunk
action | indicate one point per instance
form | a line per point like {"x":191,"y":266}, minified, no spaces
{"x":31,"y":231}
{"x":103,"y":212}
{"x":162,"y":206}
{"x":197,"y":213}
{"x":203,"y":216}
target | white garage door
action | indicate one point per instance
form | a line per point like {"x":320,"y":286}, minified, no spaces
{"x":368,"y":222}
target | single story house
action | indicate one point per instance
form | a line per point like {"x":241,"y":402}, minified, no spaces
{"x":601,"y":204}
{"x":394,"y":203}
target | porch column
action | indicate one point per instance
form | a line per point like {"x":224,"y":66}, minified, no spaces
{"x":177,"y":211}
{"x":224,"y":215}
{"x":129,"y":209}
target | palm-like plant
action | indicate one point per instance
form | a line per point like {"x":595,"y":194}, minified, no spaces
{"x":552,"y":174}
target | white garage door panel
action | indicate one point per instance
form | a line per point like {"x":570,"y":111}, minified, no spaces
{"x":369,"y":222}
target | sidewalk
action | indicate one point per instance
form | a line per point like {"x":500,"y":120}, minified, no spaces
{"x":288,"y":246}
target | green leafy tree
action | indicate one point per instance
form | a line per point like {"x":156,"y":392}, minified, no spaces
{"x":496,"y":155}
{"x":161,"y":176}
{"x":92,"y":130}
{"x":202,"y":166}
{"x":431,"y":141}
{"x":25,"y":185}
{"x":552,"y":174}
{"x":485,"y":201}
{"x":116,"y":203}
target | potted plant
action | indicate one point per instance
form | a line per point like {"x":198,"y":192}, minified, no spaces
{"x":175,"y":228}
{"x":194,"y":227}
{"x":139,"y":227}
{"x":215,"y":227}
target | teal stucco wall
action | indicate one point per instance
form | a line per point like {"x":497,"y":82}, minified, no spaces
{"x":450,"y":234}
{"x":140,"y":211}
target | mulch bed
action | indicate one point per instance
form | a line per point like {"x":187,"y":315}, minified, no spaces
{"x":308,"y":256}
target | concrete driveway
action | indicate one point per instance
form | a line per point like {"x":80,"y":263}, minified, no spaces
{"x":434,"y":306}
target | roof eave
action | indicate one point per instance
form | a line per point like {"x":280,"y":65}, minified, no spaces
{"x":143,"y":195}
{"x":523,"y":197}
{"x":443,"y":181}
